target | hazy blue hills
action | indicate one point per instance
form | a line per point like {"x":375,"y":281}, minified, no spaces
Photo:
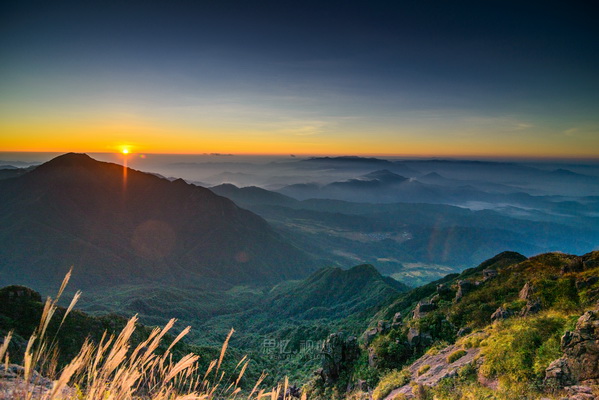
{"x":117,"y":225}
{"x":252,"y":195}
{"x":419,"y":242}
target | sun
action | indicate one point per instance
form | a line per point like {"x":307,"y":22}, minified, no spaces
{"x":125,"y":151}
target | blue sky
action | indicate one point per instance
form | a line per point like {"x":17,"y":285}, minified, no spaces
{"x":413,"y":78}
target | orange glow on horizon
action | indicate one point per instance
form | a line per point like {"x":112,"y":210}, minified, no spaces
{"x":252,"y":143}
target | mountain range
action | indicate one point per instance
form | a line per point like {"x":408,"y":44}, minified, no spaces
{"x":116,"y":225}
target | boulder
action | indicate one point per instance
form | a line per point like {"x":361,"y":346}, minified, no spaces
{"x":526,"y":292}
{"x":419,"y":339}
{"x":423,"y":308}
{"x":500,"y":314}
{"x":464,"y":331}
{"x":558,"y":374}
{"x":396,"y":320}
{"x":369,"y":335}
{"x":580,"y":392}
{"x":489,"y":274}
{"x":580,"y":362}
{"x":531,"y":307}
{"x":338,"y":354}
{"x":383,"y":327}
{"x":372,"y":357}
{"x":293,"y":392}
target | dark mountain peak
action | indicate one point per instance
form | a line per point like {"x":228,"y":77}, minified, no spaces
{"x":121,"y":225}
{"x":434,"y":175}
{"x":566,"y":173}
{"x":69,"y":160}
{"x":563,"y":171}
{"x":336,"y":291}
{"x":365,"y":269}
{"x":501,"y":260}
{"x":384,"y":175}
{"x":359,"y":274}
{"x":180,"y":182}
{"x":251,"y":195}
{"x":503,"y":257}
{"x":228,"y":186}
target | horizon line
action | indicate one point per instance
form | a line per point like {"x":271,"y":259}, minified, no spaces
{"x":308,"y":155}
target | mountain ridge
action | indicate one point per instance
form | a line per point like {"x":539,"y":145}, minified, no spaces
{"x":75,"y":210}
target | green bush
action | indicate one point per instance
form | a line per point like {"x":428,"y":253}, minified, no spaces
{"x":519,"y":349}
{"x":437,"y":347}
{"x":424,"y":369}
{"x":456,"y":355}
{"x":391,"y":381}
{"x":392,"y":351}
{"x":560,"y":294}
{"x":473,"y":340}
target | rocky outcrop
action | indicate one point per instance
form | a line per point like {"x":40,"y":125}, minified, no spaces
{"x":464,"y":331}
{"x":500,"y":314}
{"x":372,"y":357}
{"x":579,"y":264}
{"x":423,"y":308}
{"x":438,"y":369}
{"x":489,"y":274}
{"x":396,"y":320}
{"x":381,"y":328}
{"x":526,"y":292}
{"x":531,"y":307}
{"x":580,"y":363}
{"x":338,"y":354}
{"x":580,"y":392}
{"x":292,"y":392}
{"x":419,"y":339}
{"x":464,"y":287}
{"x":443,"y":290}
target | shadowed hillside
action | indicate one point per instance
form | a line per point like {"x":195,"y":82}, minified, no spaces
{"x":118,"y":225}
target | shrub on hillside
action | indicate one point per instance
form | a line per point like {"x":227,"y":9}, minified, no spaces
{"x":424,"y":369}
{"x":391,"y":381}
{"x":519,"y":349}
{"x":456,"y":355}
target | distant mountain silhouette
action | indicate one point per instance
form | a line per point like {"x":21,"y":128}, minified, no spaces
{"x":380,"y":186}
{"x":118,"y":225}
{"x":357,"y":163}
{"x":385,"y":176}
{"x":252,"y":195}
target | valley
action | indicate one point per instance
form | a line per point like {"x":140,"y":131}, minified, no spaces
{"x":302,"y":277}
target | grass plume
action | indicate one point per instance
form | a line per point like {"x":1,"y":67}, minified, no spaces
{"x":115,"y":369}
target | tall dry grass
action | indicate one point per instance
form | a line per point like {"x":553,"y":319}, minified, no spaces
{"x":113,"y":370}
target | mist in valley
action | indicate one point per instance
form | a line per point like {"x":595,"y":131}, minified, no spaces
{"x":412,"y":218}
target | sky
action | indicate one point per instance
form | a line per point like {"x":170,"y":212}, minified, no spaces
{"x":417,"y":78}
